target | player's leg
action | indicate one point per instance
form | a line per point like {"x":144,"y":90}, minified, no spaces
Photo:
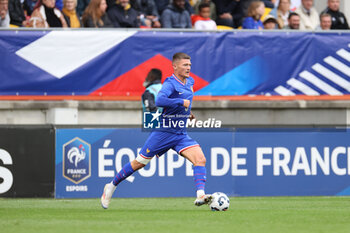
{"x":155,"y":144}
{"x":191,"y":150}
{"x":196,"y":156}
{"x":127,"y":170}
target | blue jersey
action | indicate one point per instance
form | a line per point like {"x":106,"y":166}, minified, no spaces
{"x":171,"y":98}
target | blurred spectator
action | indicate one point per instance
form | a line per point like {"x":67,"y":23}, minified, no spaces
{"x":16,"y":11}
{"x":153,"y":85}
{"x":270,"y":22}
{"x":175,"y":16}
{"x":309,"y":18}
{"x":293,"y":21}
{"x":163,"y":4}
{"x":338,"y":18}
{"x":203,"y":21}
{"x":4,"y":14}
{"x":246,"y":3}
{"x":70,"y":13}
{"x":122,"y":15}
{"x":255,"y":11}
{"x":188,"y":7}
{"x":325,"y":21}
{"x":95,"y":15}
{"x":228,"y":13}
{"x":148,"y":13}
{"x":275,"y":3}
{"x":295,"y":4}
{"x":28,"y":6}
{"x":46,"y":15}
{"x":282,"y":13}
{"x":211,"y":5}
{"x":269,"y":3}
{"x":82,"y":4}
{"x":59,"y":4}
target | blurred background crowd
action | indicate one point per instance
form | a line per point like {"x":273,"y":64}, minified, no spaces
{"x":197,"y":14}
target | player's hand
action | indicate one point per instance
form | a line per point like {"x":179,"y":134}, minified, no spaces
{"x":187,"y":103}
{"x":192,"y":116}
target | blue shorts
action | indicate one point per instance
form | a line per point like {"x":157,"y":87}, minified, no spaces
{"x":160,"y":142}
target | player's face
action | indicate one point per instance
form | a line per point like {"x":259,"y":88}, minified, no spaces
{"x":182,"y":68}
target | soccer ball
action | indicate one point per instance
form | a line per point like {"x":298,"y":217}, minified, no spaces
{"x":220,"y":202}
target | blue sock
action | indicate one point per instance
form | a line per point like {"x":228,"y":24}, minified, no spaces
{"x":200,"y":177}
{"x":123,"y":174}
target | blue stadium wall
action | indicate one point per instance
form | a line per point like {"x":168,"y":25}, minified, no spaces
{"x":43,"y":161}
{"x":240,"y":162}
{"x":115,"y":62}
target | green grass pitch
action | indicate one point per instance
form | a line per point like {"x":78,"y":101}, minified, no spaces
{"x":246,"y":214}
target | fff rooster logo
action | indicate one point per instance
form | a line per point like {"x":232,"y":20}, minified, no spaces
{"x":76,"y":160}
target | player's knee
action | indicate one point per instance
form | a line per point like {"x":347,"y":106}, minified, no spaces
{"x":136,"y":165}
{"x":142,"y":160}
{"x":200,"y":161}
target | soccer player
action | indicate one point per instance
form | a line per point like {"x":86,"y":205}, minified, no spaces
{"x":175,"y":98}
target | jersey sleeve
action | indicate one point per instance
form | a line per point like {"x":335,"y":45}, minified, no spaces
{"x":163,"y":99}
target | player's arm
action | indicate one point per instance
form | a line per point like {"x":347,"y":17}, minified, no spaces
{"x":163,"y":99}
{"x":148,"y":101}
